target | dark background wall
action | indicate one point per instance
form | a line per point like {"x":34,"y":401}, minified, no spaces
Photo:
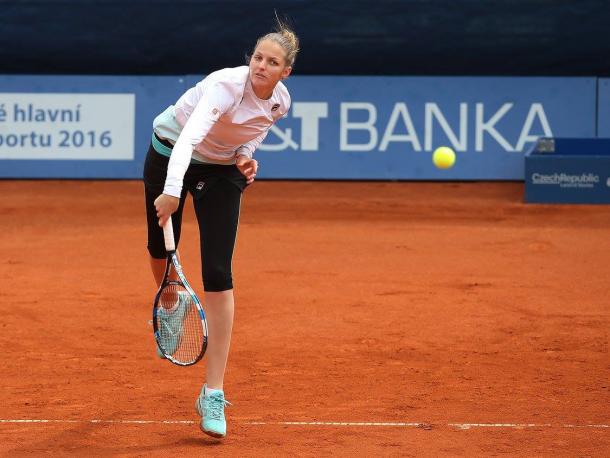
{"x":410,"y":37}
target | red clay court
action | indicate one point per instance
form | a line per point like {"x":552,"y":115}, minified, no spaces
{"x":372,"y":319}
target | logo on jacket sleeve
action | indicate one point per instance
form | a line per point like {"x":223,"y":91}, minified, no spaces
{"x":215,"y":112}
{"x":275,"y":107}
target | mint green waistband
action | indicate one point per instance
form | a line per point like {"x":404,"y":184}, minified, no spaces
{"x":167,"y":151}
{"x":160,"y":147}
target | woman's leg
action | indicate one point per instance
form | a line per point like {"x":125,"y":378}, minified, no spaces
{"x":155,"y":170}
{"x":220,"y":307}
{"x":157,"y":266}
{"x":217,"y":212}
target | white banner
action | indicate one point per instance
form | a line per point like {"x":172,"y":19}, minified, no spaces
{"x":67,"y":126}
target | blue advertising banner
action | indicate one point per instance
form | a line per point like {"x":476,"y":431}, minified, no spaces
{"x":568,"y":170}
{"x":79,"y":126}
{"x":388,"y":127}
{"x":603,"y":118}
{"x":337,"y":128}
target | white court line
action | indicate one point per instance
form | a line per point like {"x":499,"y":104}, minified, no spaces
{"x":121,"y":422}
{"x":586,"y":426}
{"x":502,"y":425}
{"x":319,"y":423}
{"x":520,"y":425}
{"x":337,"y":423}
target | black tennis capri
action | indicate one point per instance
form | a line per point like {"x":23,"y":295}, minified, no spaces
{"x":216,"y":191}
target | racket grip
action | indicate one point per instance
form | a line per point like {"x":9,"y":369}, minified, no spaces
{"x":168,"y":235}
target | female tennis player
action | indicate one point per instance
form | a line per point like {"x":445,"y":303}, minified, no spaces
{"x":204,"y":145}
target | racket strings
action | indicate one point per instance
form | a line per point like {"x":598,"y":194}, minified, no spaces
{"x":192,"y":337}
{"x":181,"y":334}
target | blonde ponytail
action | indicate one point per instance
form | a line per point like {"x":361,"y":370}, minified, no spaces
{"x":285,"y":37}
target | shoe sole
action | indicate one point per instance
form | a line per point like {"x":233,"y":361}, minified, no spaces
{"x":211,"y":433}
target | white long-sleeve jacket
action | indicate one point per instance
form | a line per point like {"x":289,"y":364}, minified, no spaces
{"x":215,"y":121}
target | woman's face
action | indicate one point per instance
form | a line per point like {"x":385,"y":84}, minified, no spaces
{"x":267,"y":67}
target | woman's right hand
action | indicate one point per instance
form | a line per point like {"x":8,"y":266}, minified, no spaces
{"x":166,"y":205}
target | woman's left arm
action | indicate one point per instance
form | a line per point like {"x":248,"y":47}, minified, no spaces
{"x":244,"y":161}
{"x":248,"y":167}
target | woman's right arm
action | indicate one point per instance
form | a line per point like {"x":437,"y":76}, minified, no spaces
{"x":209,"y":109}
{"x":215,"y":102}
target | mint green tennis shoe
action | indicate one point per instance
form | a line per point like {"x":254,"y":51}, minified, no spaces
{"x":170,"y":326}
{"x":211,"y":409}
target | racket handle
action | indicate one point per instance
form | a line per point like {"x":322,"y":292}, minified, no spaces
{"x":168,"y":235}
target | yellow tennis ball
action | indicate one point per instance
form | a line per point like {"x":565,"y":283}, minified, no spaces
{"x":443,"y":157}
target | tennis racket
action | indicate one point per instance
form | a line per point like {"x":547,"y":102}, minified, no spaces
{"x":179,"y":323}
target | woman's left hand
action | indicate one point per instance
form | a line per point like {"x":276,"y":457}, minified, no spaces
{"x":247,"y":167}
